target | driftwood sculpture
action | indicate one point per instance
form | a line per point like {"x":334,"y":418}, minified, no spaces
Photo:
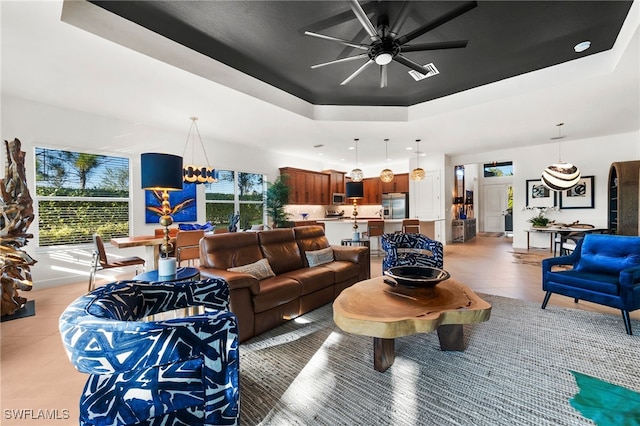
{"x":16,"y":214}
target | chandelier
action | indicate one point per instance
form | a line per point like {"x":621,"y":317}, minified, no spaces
{"x":560,"y":176}
{"x":417,"y":173}
{"x":200,"y":173}
{"x":356,"y":174}
{"x":386,"y":175}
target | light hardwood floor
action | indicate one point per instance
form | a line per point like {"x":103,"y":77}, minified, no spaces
{"x":36,"y":374}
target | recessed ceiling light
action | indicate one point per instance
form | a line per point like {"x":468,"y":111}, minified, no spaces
{"x":582,"y":46}
{"x":351,"y":148}
{"x":409,"y":148}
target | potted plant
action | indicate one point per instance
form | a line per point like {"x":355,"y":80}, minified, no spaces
{"x":277,"y":198}
{"x":540,"y":220}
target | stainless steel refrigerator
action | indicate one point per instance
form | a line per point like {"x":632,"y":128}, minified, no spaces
{"x":395,"y":205}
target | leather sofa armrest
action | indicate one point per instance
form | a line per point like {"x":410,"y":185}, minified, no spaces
{"x":236,"y":280}
{"x":355,"y":254}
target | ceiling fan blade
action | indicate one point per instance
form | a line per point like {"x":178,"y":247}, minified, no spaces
{"x":411,"y":64}
{"x":437,"y":22}
{"x":339,"y":40}
{"x":434,"y":46}
{"x":335,"y":20}
{"x":337,"y":61}
{"x":400,"y":20}
{"x":358,"y":71}
{"x":364,"y":19}
{"x":383,"y":76}
{"x":348,"y":50}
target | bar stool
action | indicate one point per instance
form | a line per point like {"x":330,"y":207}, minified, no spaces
{"x":410,"y":226}
{"x":375,"y":228}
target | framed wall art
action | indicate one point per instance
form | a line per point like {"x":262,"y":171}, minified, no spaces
{"x":539,"y":195}
{"x":580,"y":196}
{"x":183,"y":204}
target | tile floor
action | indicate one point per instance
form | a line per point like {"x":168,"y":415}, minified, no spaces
{"x":38,"y":382}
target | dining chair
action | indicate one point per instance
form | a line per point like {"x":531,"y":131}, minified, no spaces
{"x":100,"y":261}
{"x":410,"y":226}
{"x":187,"y":246}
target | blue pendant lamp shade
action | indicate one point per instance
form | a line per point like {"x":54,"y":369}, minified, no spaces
{"x":355,"y":190}
{"x":161,"y":171}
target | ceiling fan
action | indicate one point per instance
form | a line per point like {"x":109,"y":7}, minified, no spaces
{"x":387,"y":46}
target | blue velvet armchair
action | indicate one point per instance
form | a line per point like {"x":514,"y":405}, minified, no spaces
{"x":411,"y":249}
{"x":606,"y":270}
{"x":178,"y":371}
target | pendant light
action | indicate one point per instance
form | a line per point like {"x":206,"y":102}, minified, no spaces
{"x":560,"y":176}
{"x":417,"y":173}
{"x":201,"y":173}
{"x":356,"y":174}
{"x":386,"y":175}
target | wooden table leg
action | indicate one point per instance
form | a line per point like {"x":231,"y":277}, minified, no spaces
{"x":451,"y":337}
{"x":383,"y":353}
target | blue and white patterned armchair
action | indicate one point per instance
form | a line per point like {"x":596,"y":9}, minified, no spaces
{"x":411,"y":249}
{"x":181,"y":371}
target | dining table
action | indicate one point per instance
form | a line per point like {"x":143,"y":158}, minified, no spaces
{"x":561,"y":232}
{"x":152,"y":244}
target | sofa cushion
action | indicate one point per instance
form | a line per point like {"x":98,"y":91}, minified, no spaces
{"x":609,"y":254}
{"x":312,"y":279}
{"x":318,"y":257}
{"x":280,"y":247}
{"x":224,"y":251}
{"x":310,"y":238}
{"x":600,"y":283}
{"x":342,"y":270}
{"x":259,"y":269}
{"x":276,"y":291}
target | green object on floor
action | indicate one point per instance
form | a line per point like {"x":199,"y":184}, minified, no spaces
{"x":605,"y":403}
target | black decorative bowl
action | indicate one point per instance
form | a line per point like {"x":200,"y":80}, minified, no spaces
{"x":417,"y":276}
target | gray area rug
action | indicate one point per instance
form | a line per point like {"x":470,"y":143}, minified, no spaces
{"x":515,"y":371}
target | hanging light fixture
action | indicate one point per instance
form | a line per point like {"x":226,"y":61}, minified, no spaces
{"x":190,"y":172}
{"x":386,"y":175}
{"x":356,"y":174}
{"x":417,"y":173}
{"x":560,"y":176}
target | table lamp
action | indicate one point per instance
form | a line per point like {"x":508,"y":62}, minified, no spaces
{"x":163,"y":172}
{"x":355,"y":191}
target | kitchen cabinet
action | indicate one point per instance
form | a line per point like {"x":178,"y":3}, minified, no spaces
{"x":623,"y":197}
{"x":400,"y":183}
{"x":372,"y":191}
{"x":336,"y":181}
{"x":307,"y":187}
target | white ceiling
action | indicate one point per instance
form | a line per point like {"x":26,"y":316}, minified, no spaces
{"x":53,"y":62}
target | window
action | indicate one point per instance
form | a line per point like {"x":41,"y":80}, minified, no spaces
{"x":79,"y":194}
{"x":235,"y":192}
{"x":498,"y":169}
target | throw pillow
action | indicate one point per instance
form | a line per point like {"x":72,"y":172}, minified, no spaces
{"x":319,"y":257}
{"x":260,"y":269}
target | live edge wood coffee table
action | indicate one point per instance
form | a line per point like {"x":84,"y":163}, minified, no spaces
{"x":374,"y":308}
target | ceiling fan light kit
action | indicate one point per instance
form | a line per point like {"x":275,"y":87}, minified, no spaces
{"x":387,"y":46}
{"x":561,"y":175}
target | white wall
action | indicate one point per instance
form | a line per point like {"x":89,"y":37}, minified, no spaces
{"x":592,"y":156}
{"x":37,"y":124}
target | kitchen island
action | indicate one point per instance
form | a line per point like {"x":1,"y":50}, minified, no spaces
{"x":336,"y":229}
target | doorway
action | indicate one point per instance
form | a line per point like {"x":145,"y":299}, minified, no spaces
{"x":497,"y":198}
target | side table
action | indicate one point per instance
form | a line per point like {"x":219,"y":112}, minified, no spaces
{"x":351,"y":242}
{"x":182,"y":274}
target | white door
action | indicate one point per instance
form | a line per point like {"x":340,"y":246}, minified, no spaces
{"x":494,"y":209}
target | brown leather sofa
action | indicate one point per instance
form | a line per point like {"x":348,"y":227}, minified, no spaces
{"x":295,"y":289}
